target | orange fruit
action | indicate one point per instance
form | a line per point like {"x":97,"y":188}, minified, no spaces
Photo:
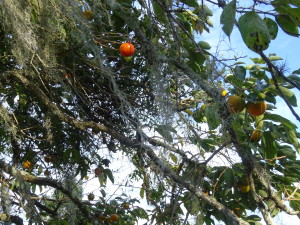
{"x":224,"y":93}
{"x":236,"y":104}
{"x":256,"y":109}
{"x":27,"y":165}
{"x":126,"y":205}
{"x":113,"y":217}
{"x":68,"y":75}
{"x":88,"y":14}
{"x":127,"y":49}
{"x":255,"y":136}
{"x":101,"y":218}
{"x":245,"y":188}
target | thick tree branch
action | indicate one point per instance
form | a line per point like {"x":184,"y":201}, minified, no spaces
{"x":47,"y":182}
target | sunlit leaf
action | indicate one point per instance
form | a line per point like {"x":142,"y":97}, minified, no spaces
{"x":289,"y":95}
{"x":213,"y":118}
{"x":254,"y":31}
{"x":277,"y":118}
{"x":173,"y":157}
{"x":269,"y":146}
{"x":240,"y":72}
{"x":287,"y":25}
{"x":228,"y":17}
{"x":272,"y":26}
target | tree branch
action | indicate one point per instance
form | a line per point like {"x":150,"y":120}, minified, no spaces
{"x":272,"y":68}
{"x":166,"y":171}
{"x":47,"y":182}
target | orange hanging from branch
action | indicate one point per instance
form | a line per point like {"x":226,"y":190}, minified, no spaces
{"x":127,"y":49}
{"x":256,"y":109}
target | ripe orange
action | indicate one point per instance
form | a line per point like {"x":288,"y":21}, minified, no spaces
{"x":88,"y":14}
{"x":255,"y":136}
{"x":126,"y":205}
{"x":127,"y":49}
{"x":256,"y":109}
{"x":113,"y":217}
{"x":101,"y":218}
{"x":68,"y":75}
{"x":236,"y":104}
{"x":245,"y":188}
{"x":27,"y":165}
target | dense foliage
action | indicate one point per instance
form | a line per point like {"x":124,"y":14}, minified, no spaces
{"x":72,"y":107}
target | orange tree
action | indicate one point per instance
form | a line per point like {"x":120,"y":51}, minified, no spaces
{"x":72,"y":106}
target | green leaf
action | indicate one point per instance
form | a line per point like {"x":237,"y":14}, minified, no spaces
{"x":165,"y":132}
{"x":229,"y":178}
{"x":194,"y":210}
{"x":204,"y":45}
{"x":289,"y":95}
{"x":296,"y":71}
{"x":287,"y":151}
{"x":272,"y":26}
{"x":228,"y":17}
{"x":263,"y":193}
{"x":294,"y":14}
{"x":142,"y":192}
{"x":173,"y":158}
{"x":109,"y":174}
{"x":200,"y":219}
{"x":292,"y":137}
{"x":240,"y":72}
{"x":198,"y":115}
{"x":40,"y":169}
{"x":295,"y":79}
{"x":254,"y":31}
{"x":207,"y":144}
{"x":287,"y":25}
{"x":277,"y":118}
{"x":206,"y":10}
{"x":159,"y":12}
{"x":275,"y":58}
{"x":294,"y":2}
{"x":258,"y":60}
{"x":253,"y":218}
{"x":191,"y":3}
{"x":269,"y":146}
{"x":212,"y":116}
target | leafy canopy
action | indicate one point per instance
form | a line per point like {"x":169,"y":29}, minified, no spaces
{"x":76,"y":111}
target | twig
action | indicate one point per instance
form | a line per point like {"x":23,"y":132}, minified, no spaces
{"x":215,"y":152}
{"x":271,"y":67}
